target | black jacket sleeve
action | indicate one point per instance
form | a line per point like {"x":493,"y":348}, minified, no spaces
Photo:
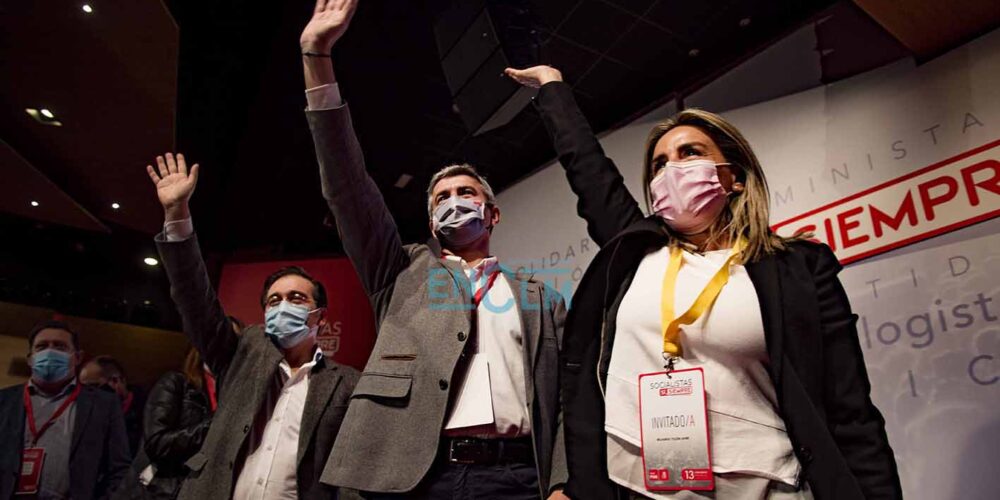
{"x":602,"y":198}
{"x":167,"y":440}
{"x":856,"y":425}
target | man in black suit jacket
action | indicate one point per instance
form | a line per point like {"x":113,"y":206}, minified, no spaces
{"x":281,"y":401}
{"x":106,"y":372}
{"x":80,"y":428}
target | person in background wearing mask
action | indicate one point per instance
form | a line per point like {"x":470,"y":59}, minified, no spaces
{"x":460,"y":397}
{"x":106,"y":372}
{"x":283,"y":400}
{"x":701,"y":301}
{"x":60,"y":439}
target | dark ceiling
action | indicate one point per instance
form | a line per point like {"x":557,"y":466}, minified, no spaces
{"x":233,"y":78}
{"x":241,"y":100}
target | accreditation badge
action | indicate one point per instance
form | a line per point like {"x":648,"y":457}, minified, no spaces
{"x":674,"y":431}
{"x":31,"y":471}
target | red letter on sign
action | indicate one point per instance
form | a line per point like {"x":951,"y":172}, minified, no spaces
{"x":846,"y":225}
{"x":925,"y":194}
{"x":907,"y":209}
{"x":992,"y":184}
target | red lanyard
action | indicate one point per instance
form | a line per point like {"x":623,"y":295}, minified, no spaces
{"x":210,"y":386}
{"x":127,"y":403}
{"x":478,"y":297}
{"x":36,"y":434}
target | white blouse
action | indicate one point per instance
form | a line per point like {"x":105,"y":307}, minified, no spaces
{"x":746,"y":433}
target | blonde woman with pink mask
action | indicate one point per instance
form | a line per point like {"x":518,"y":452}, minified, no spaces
{"x":704,"y":355}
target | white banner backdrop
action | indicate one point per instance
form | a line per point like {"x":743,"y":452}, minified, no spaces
{"x":929,"y":311}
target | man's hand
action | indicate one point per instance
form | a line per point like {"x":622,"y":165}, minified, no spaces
{"x":329,"y":22}
{"x":174,"y":185}
{"x":535,"y":76}
{"x":557,"y":494}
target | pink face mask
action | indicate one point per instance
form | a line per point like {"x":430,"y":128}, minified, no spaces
{"x":688,"y":195}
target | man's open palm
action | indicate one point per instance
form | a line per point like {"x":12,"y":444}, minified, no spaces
{"x":174,"y":183}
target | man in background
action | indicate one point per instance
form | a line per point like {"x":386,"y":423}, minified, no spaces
{"x":107,"y":373}
{"x":61,"y":439}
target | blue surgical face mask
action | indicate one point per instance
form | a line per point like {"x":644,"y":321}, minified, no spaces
{"x":286,"y":323}
{"x":459,"y":221}
{"x":51,"y":365}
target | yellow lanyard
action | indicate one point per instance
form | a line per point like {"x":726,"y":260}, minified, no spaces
{"x":671,"y":332}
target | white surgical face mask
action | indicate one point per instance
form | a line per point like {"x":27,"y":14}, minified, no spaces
{"x":459,"y":221}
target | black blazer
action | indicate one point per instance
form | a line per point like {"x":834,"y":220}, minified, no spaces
{"x":816,"y":362}
{"x":99,"y":454}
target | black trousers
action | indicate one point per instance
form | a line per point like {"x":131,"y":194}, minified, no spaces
{"x":448,"y":481}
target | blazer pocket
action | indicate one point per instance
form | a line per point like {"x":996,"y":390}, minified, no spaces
{"x":389,"y":389}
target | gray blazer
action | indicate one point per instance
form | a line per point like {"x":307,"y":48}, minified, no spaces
{"x":422,"y":304}
{"x":246,"y":365}
{"x":99,"y":455}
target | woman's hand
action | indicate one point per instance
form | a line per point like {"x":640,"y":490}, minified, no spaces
{"x":535,"y":76}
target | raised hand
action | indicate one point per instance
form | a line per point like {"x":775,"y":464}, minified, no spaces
{"x":329,"y":22}
{"x":174,"y":184}
{"x":535,"y":76}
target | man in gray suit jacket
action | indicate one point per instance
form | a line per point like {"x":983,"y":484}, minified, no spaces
{"x":460,"y":397}
{"x":281,"y":401}
{"x":79,"y":429}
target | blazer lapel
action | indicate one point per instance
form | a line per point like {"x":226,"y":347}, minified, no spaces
{"x":767,"y":282}
{"x":454,"y":270}
{"x":84,"y":406}
{"x":322,"y":384}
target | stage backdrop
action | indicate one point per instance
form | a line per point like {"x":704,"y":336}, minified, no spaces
{"x":898,"y":169}
{"x":350,"y":332}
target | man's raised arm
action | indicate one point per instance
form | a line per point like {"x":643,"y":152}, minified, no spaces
{"x":369,"y":234}
{"x":202,"y":317}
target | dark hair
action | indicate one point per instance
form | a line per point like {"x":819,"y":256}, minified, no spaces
{"x":109,"y":366}
{"x":55,"y":325}
{"x":194,"y":370}
{"x":319,"y":292}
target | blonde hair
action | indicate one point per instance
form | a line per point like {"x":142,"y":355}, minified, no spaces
{"x":746,"y":213}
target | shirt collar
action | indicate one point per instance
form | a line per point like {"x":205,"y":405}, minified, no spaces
{"x":484,"y":268}
{"x":34,"y":390}
{"x":316,"y":359}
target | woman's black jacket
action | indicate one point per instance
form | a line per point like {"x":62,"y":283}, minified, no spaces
{"x":816,"y":362}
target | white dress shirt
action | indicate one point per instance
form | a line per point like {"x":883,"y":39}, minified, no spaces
{"x":269,"y":470}
{"x":499,"y":337}
{"x":746,"y":433}
{"x":324,"y":97}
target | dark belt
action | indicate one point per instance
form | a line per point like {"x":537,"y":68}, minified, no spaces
{"x":467,"y":450}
